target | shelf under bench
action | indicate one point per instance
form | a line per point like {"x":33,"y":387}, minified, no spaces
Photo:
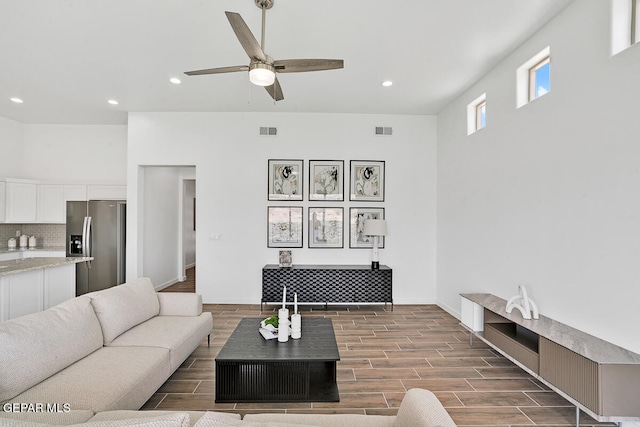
{"x":597,"y":376}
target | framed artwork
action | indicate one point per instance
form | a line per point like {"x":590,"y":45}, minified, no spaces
{"x":285,"y":179}
{"x":325,"y":227}
{"x":326,"y":180}
{"x":284,"y":227}
{"x":367,"y":180}
{"x":357,"y":217}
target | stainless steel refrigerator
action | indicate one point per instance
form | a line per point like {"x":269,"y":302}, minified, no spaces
{"x":97,"y":229}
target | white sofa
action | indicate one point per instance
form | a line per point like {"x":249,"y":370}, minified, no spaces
{"x":106,"y":350}
{"x":95,"y":359}
{"x":419,"y":408}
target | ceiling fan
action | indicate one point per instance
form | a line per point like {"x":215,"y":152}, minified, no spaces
{"x":263,"y":68}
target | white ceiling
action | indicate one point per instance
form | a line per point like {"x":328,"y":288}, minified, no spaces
{"x":66,"y":58}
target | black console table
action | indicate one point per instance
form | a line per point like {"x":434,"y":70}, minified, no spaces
{"x":327,"y":283}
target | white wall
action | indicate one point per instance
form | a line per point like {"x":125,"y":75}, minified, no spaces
{"x":161,"y":215}
{"x":188,"y":233}
{"x":231,"y":171}
{"x":69,"y":153}
{"x":11,"y":141}
{"x":548,"y":195}
{"x":76,"y":153}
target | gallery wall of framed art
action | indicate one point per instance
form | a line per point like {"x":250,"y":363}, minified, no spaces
{"x":310,"y":221}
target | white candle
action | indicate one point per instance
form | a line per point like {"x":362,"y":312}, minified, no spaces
{"x":295,"y":303}
{"x":284,"y":296}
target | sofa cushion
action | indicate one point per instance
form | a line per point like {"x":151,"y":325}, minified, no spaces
{"x":51,"y":415}
{"x":212,"y":419}
{"x":326,"y":420}
{"x":178,"y":419}
{"x":126,"y":414}
{"x":179,"y":334}
{"x":179,"y":304}
{"x":36,"y":346}
{"x":421,"y":407}
{"x":109,"y":378}
{"x":122,"y":307}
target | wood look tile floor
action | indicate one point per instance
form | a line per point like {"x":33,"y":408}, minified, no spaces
{"x":383,"y":354}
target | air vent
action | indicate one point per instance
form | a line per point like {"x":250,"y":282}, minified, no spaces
{"x":267,"y":131}
{"x":384,"y":131}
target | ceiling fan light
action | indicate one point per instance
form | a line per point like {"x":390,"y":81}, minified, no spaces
{"x":262,"y":75}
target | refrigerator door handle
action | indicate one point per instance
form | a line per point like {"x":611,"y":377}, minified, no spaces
{"x":88,"y":240}
{"x":84,"y":237}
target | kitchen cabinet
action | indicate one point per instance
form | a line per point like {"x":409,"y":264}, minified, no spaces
{"x":35,"y":290}
{"x":24,"y":201}
{"x":21,"y":294}
{"x":106,"y":192}
{"x":51,"y":204}
{"x":3,"y":195}
{"x":59,"y":285}
{"x":21,"y":201}
{"x":75,"y":193}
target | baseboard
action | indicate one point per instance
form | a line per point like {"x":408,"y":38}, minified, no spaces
{"x":190,"y":266}
{"x":165,"y":285}
{"x":450,"y":310}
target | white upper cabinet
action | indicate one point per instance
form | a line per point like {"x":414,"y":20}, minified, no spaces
{"x":24,"y":201}
{"x":75,"y":193}
{"x":21,"y":201}
{"x":51,"y":203}
{"x":106,"y":192}
{"x":3,"y":196}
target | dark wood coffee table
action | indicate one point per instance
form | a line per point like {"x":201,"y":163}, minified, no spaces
{"x":250,"y":368}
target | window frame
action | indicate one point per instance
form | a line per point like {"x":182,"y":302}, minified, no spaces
{"x":635,"y":6}
{"x":533,"y":79}
{"x":523,"y":78}
{"x":481,"y":110}
{"x":474,"y":119}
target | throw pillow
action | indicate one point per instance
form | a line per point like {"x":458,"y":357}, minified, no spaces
{"x":122,"y":307}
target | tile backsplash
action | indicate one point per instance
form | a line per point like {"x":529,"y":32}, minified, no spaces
{"x":47,"y":235}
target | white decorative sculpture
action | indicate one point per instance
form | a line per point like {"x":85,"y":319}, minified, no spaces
{"x":523,"y":303}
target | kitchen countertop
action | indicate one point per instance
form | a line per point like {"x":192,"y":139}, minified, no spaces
{"x":5,"y":250}
{"x":29,"y":264}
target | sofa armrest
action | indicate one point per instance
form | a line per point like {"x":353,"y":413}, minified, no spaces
{"x":422,"y":408}
{"x":179,"y":304}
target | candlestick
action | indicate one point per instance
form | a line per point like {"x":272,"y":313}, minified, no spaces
{"x":295,"y":303}
{"x":296,"y":326}
{"x":283,"y":325}
{"x":284,"y":296}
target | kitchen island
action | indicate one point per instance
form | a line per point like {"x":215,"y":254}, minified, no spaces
{"x":29,"y":285}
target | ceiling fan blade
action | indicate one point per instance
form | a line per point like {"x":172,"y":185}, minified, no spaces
{"x":218,"y":70}
{"x":245,"y":37}
{"x":302,"y":65}
{"x":275,"y":91}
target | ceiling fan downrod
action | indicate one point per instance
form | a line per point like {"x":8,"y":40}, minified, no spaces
{"x":264,"y":5}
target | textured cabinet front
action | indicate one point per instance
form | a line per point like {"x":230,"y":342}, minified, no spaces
{"x":570,"y":372}
{"x":323,"y":284}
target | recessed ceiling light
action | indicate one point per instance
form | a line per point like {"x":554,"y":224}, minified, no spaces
{"x":387,"y":83}
{"x":17,"y":100}
{"x":112,"y":102}
{"x":175,"y":80}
